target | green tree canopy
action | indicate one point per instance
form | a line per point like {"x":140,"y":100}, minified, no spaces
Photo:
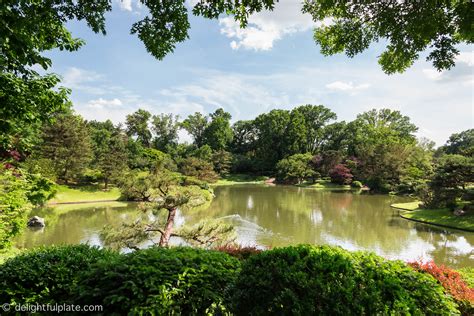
{"x":165,"y":127}
{"x":195,"y":125}
{"x":137,"y":126}
{"x":409,"y":27}
{"x":381,"y":140}
{"x":67,"y":144}
{"x":315,"y":117}
{"x":295,"y":169}
{"x":218,"y":134}
{"x":460,"y":143}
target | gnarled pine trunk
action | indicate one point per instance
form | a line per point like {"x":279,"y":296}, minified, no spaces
{"x":165,"y":236}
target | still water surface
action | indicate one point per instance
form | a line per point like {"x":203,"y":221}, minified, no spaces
{"x":273,"y":216}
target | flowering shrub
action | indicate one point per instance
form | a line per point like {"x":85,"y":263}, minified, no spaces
{"x":452,"y":281}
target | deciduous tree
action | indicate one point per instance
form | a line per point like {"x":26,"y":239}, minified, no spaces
{"x":137,"y":126}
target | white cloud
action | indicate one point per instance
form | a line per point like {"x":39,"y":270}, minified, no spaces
{"x":346,"y":86}
{"x":126,"y":5}
{"x":264,"y":28}
{"x":466,"y":57}
{"x":76,"y":76}
{"x":247,"y":95}
{"x":104,"y":103}
{"x":84,"y":80}
{"x":432,"y":73}
{"x":238,"y":93}
{"x":462,"y":72}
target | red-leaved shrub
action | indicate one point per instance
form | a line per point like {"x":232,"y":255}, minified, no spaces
{"x":340,"y":174}
{"x":452,"y":281}
{"x":239,"y":252}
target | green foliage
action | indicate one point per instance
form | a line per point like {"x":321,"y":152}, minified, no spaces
{"x":166,"y":26}
{"x":159,"y":281}
{"x":449,"y":183}
{"x":165,"y":127}
{"x":381,"y":142}
{"x":293,"y":280}
{"x":468,"y":275}
{"x":137,"y":126}
{"x":357,"y":184}
{"x":218,"y":133}
{"x":27,"y":103}
{"x":418,"y":167}
{"x":204,"y":152}
{"x":39,"y":189}
{"x":155,"y":157}
{"x":195,"y":125}
{"x":270,"y":132}
{"x":244,"y":137}
{"x":295,"y":169}
{"x":222,"y":161}
{"x":280,"y":133}
{"x":306,"y":280}
{"x":14,"y":206}
{"x":239,"y":252}
{"x":67,"y":144}
{"x":136,"y":186}
{"x":36,"y":164}
{"x":187,"y":181}
{"x":199,"y":169}
{"x":315,"y":118}
{"x":208,"y":233}
{"x":109,"y":150}
{"x":460,"y":144}
{"x":355,"y":25}
{"x":48,"y":275}
{"x":164,"y":191}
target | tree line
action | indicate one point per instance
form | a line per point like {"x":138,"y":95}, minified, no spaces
{"x":379,"y":148}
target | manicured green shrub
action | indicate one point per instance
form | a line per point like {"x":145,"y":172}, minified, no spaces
{"x":307,"y":280}
{"x":160,"y":281}
{"x":357,"y":184}
{"x":47,"y":275}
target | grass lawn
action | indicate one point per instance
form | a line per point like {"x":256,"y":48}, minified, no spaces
{"x":440,"y":217}
{"x":232,"y":179}
{"x":410,"y":206}
{"x":324,"y":184}
{"x":86,"y":193}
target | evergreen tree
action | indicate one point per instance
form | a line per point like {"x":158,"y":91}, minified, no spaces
{"x":67,"y":144}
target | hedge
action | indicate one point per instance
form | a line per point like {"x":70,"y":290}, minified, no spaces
{"x":309,"y":280}
{"x":299,"y":280}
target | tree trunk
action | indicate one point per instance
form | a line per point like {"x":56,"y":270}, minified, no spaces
{"x":165,"y":237}
{"x":106,"y":183}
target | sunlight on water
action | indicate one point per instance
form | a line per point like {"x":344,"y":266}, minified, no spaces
{"x":278,"y":216}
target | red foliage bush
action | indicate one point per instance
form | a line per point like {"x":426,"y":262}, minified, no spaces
{"x":239,"y":252}
{"x":340,"y":174}
{"x":451,"y":280}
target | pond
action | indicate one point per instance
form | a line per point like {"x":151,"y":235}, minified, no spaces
{"x":272,"y":216}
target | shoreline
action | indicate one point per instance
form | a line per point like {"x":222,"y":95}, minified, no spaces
{"x":406,"y":210}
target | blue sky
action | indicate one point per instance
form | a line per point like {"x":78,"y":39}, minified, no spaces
{"x":274,"y":63}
